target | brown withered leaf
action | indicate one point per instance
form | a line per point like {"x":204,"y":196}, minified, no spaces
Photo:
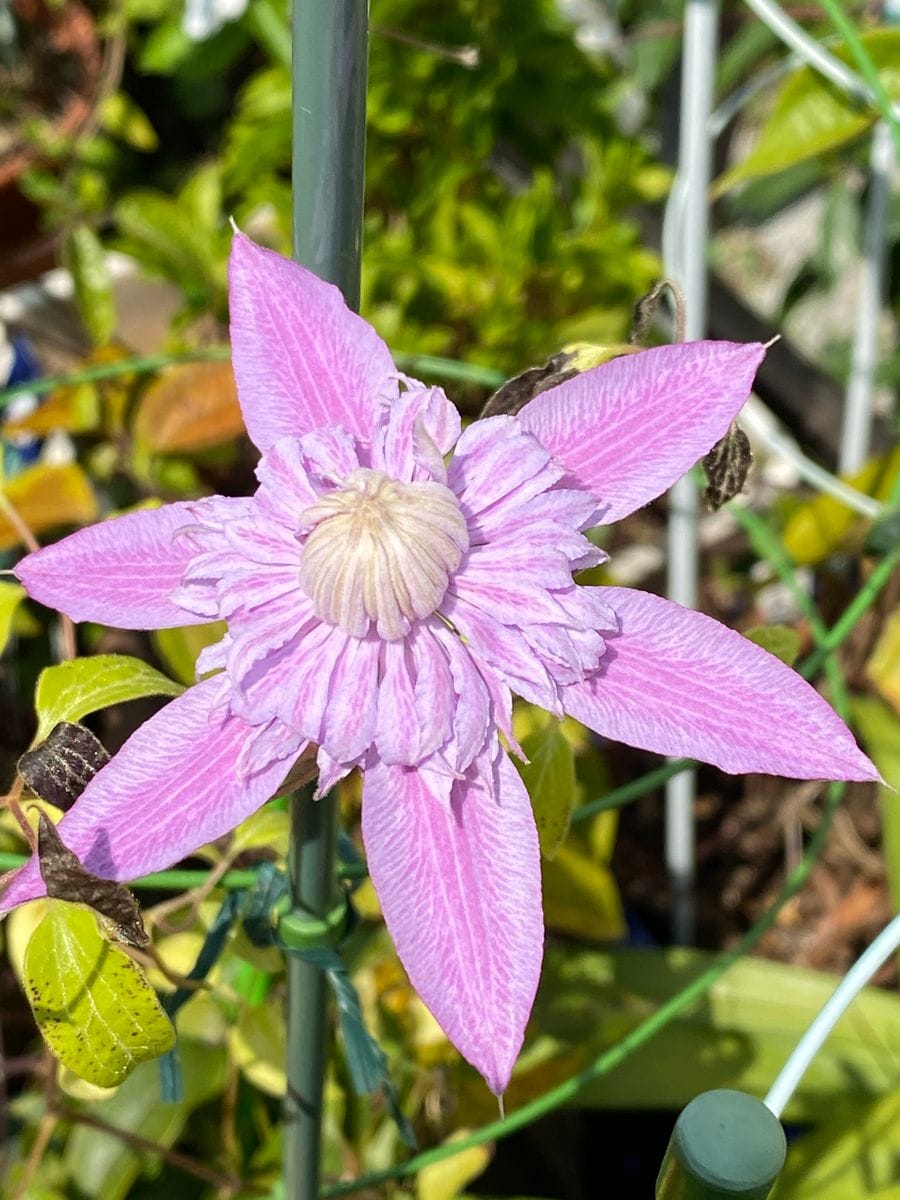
{"x":189,"y":408}
{"x":515,"y":393}
{"x":647,"y":307}
{"x":727,"y":466}
{"x":66,"y":879}
{"x":63,"y":765}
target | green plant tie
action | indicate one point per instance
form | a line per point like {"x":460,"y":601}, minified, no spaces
{"x":726,"y":1145}
{"x":300,"y":931}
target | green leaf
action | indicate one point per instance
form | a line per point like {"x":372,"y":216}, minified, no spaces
{"x":92,"y":1003}
{"x":823,"y":525}
{"x":739,"y":1035}
{"x":780,"y":640}
{"x":86,"y":260}
{"x":445,"y":1180}
{"x":179,"y":648}
{"x":879,"y":728}
{"x":853,"y":1156}
{"x":812,"y":116}
{"x":104,"y":1167}
{"x":123,"y":118}
{"x":73,"y":689}
{"x":11,"y":596}
{"x":549,"y":777}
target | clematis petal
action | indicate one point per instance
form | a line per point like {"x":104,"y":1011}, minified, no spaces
{"x":121,"y":572}
{"x":459,"y":886}
{"x":187,"y":776}
{"x":628,"y":429}
{"x":302,"y":359}
{"x":677,"y":682}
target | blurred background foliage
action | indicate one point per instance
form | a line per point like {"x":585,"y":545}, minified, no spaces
{"x":519,"y":154}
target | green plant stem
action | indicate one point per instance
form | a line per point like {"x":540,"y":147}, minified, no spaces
{"x":631,"y":791}
{"x":140,"y":365}
{"x":568,"y":1091}
{"x":768,"y":545}
{"x":430,"y":365}
{"x":848,"y":31}
{"x":328,"y":70}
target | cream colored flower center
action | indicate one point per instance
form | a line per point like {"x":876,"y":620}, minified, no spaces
{"x":382,"y":551}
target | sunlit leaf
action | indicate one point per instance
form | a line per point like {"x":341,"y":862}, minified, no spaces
{"x":11,"y":596}
{"x":883,"y":667}
{"x":879,"y":730}
{"x":267,"y":828}
{"x":780,"y":640}
{"x":853,"y":1156}
{"x":179,"y":648}
{"x":72,"y":689}
{"x":191,"y":407}
{"x":549,"y":776}
{"x":46,"y":497}
{"x":104,"y":1167}
{"x":121,"y":116}
{"x":85,"y":259}
{"x":257,"y":1045}
{"x":446,"y":1179}
{"x":820,"y":527}
{"x":74,"y":409}
{"x":581,"y":897}
{"x":738,"y":1036}
{"x":92,"y":1003}
{"x":812,"y":116}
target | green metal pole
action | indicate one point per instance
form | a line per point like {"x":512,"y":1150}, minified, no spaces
{"x":329,"y":119}
{"x":726,"y":1145}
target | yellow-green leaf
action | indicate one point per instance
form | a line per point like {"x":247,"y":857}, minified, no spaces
{"x":122,"y":117}
{"x":180,"y":648}
{"x":812,"y":116}
{"x":11,"y":596}
{"x":85,"y":258}
{"x":74,"y":409}
{"x":581,"y":897}
{"x":549,"y":776}
{"x":853,"y":1156}
{"x":446,"y":1179}
{"x":780,"y":640}
{"x":820,"y":527}
{"x":46,"y":497}
{"x":883,"y":667}
{"x":71,"y":690}
{"x":190,"y":407}
{"x":92,"y":1003}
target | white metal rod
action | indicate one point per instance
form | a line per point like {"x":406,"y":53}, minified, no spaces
{"x":857,"y":428}
{"x":813,"y":52}
{"x":687,"y":265}
{"x":831,"y":1012}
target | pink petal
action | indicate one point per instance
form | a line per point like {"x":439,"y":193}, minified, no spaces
{"x":495,"y":463}
{"x":677,"y":682}
{"x":120,"y":572}
{"x":628,"y":429}
{"x":416,"y":432}
{"x":188,"y":775}
{"x":459,"y":886}
{"x":302,"y":359}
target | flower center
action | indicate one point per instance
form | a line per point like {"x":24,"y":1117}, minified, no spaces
{"x":380,"y":550}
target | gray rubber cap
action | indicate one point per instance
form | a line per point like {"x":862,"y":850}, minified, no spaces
{"x":726,"y":1145}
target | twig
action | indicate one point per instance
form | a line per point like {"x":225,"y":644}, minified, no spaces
{"x":45,"y":1132}
{"x":229,"y":1184}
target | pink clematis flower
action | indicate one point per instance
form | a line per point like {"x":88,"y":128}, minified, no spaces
{"x":385,"y":603}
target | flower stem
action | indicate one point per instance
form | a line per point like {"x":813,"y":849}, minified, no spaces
{"x":329,"y":128}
